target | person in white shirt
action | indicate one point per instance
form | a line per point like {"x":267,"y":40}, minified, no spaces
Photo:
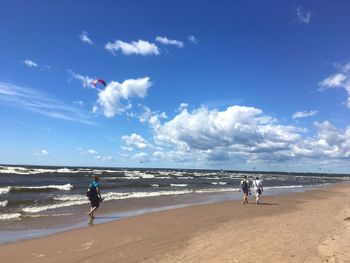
{"x":258,"y":189}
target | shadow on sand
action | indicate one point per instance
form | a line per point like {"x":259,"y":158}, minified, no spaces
{"x":268,"y":203}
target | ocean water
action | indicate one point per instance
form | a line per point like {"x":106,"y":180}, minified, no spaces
{"x":31,"y":195}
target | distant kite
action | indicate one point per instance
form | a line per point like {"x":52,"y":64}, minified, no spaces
{"x":95,"y":81}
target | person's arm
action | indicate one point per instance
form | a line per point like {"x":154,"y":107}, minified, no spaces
{"x":98,"y":191}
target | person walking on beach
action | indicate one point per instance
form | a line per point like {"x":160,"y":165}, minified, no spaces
{"x":258,"y":189}
{"x":94,"y":197}
{"x":245,"y":187}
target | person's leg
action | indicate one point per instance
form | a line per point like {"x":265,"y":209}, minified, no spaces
{"x":245,"y":199}
{"x":92,"y":210}
{"x":257,"y":198}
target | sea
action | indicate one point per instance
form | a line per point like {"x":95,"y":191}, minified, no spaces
{"x":41,"y":200}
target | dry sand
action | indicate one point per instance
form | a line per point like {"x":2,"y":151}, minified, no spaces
{"x":304,"y":227}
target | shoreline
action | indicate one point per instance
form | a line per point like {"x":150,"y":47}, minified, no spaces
{"x":120,"y":209}
{"x":299,"y":227}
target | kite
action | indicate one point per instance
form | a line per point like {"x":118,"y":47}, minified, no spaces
{"x":95,"y":81}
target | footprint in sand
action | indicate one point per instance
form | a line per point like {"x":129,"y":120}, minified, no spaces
{"x":347,"y":219}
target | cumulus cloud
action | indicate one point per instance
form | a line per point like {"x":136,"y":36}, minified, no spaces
{"x":140,"y":47}
{"x":86,"y":81}
{"x":341,"y":79}
{"x":38,"y":102}
{"x":43,"y":152}
{"x":303,"y":16}
{"x":85,"y":38}
{"x":166,"y":41}
{"x":115,"y":98}
{"x":30,"y":63}
{"x":304,"y":114}
{"x":141,"y":157}
{"x":136,"y":141}
{"x":244,"y":134}
{"x":192,"y":39}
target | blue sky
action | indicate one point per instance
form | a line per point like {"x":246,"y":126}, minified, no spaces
{"x":224,"y":85}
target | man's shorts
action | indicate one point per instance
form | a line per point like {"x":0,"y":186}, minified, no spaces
{"x":95,"y":202}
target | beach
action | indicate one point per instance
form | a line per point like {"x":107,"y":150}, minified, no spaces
{"x":298,"y":227}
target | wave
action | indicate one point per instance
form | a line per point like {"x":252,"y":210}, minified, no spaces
{"x":178,"y":185}
{"x":36,"y":209}
{"x":5,"y":190}
{"x":10,"y":216}
{"x":284,"y":187}
{"x":219,"y":183}
{"x":64,"y":187}
{"x":3,"y":203}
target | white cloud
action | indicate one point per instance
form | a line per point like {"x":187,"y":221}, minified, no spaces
{"x":166,"y":41}
{"x":110,"y":99}
{"x":304,"y":114}
{"x":42,"y":153}
{"x":136,"y":141}
{"x":341,"y":79}
{"x":139,"y":47}
{"x":141,"y":157}
{"x":30,"y":63}
{"x":192,"y":39}
{"x":79,"y":102}
{"x":333,"y":81}
{"x":85,"y":80}
{"x":36,"y":101}
{"x":92,"y":151}
{"x":303,"y":16}
{"x":243,"y":134}
{"x":85,"y":38}
{"x":182,"y":106}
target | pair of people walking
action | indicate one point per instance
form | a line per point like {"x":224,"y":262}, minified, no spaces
{"x":245,"y":186}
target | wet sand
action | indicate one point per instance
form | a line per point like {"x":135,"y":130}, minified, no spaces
{"x":302,"y":227}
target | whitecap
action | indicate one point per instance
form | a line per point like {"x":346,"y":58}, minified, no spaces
{"x":65,"y":187}
{"x":3,"y":203}
{"x":36,"y":209}
{"x":5,"y":190}
{"x":10,"y":216}
{"x":178,"y":185}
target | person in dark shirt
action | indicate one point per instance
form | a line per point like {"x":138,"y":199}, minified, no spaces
{"x":94,"y":197}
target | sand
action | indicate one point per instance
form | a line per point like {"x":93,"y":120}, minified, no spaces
{"x":303,"y":227}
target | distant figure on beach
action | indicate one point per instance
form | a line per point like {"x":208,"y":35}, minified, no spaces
{"x":245,"y":187}
{"x":258,"y":189}
{"x":95,"y":198}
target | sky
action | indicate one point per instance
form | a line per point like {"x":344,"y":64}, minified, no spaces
{"x":239,"y":85}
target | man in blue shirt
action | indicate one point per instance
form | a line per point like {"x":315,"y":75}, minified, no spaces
{"x":94,"y":197}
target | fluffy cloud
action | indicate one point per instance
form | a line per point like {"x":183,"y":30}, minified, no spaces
{"x":30,"y":63}
{"x":166,"y":41}
{"x":110,"y":100}
{"x":85,"y":38}
{"x":136,"y":141}
{"x":303,"y":16}
{"x":341,"y":79}
{"x":139,"y":47}
{"x":244,"y":134}
{"x":304,"y":114}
